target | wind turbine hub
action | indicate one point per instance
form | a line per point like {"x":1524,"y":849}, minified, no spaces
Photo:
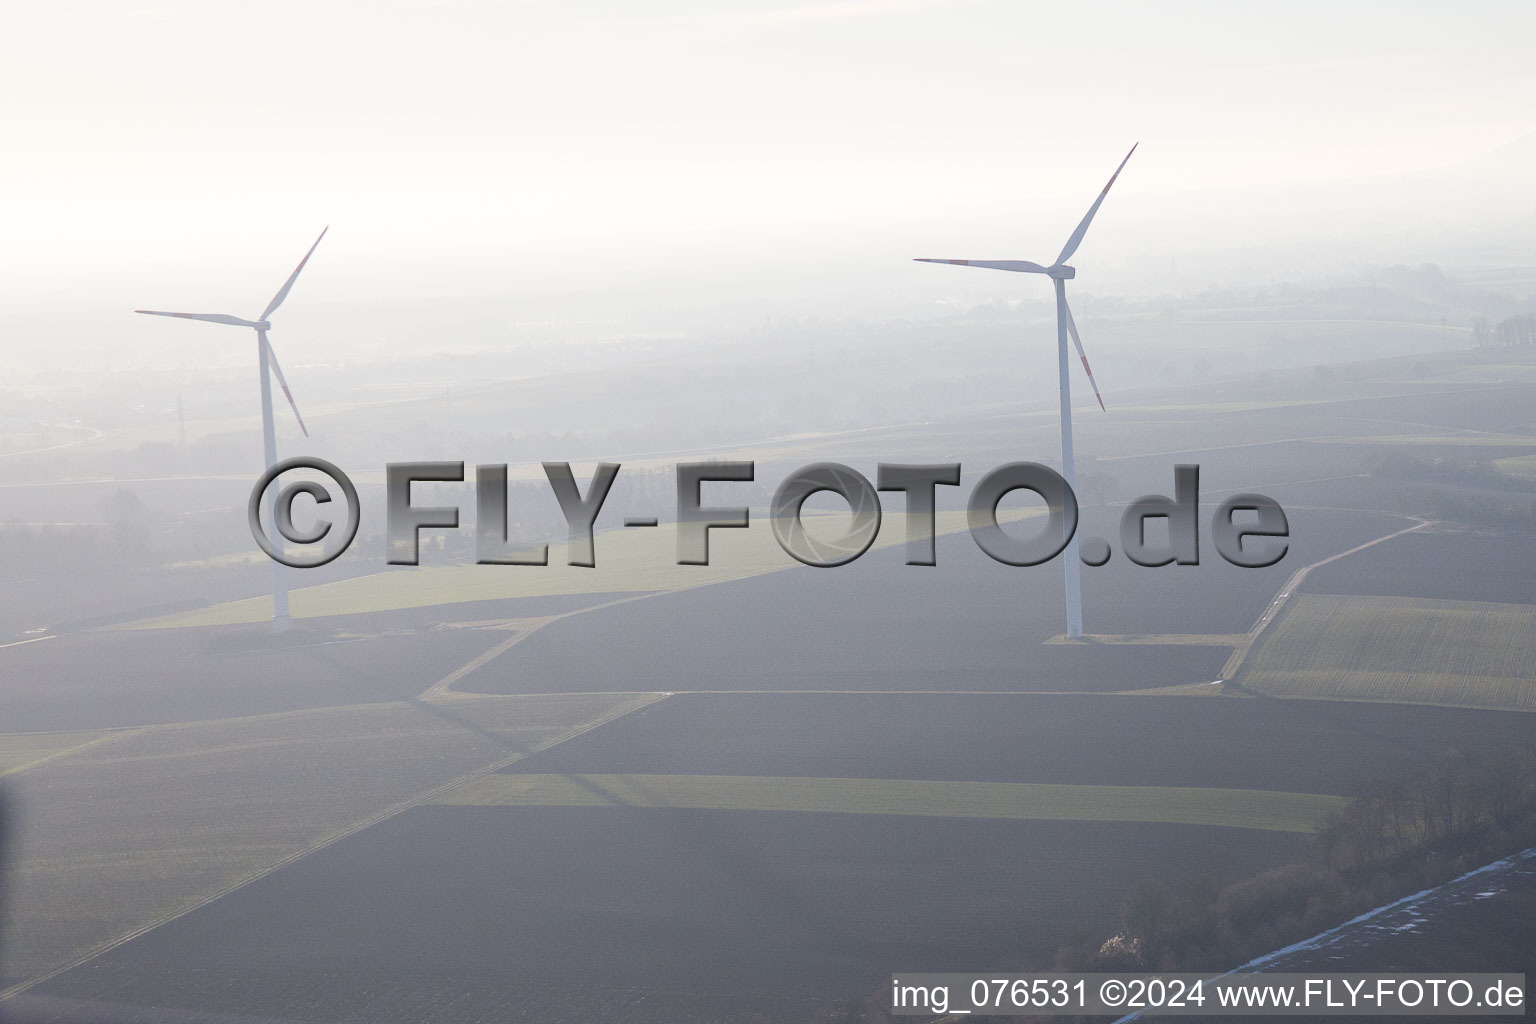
{"x":263,"y":325}
{"x":1062,"y":272}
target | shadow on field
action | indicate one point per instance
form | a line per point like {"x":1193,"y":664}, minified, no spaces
{"x":709,"y":834}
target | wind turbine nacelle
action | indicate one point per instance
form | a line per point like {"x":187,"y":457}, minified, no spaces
{"x":1062,"y":272}
{"x":263,"y":325}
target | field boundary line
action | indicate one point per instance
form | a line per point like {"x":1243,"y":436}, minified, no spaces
{"x":1288,"y":589}
{"x":443,"y":688}
{"x":107,"y":737}
{"x":637,"y":701}
{"x":33,"y":640}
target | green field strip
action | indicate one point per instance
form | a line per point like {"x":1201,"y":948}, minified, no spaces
{"x":628,"y":561}
{"x":1459,"y":653}
{"x":1022,"y":801}
{"x":1523,"y":466}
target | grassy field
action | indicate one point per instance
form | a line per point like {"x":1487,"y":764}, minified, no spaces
{"x":1461,"y":653}
{"x":1523,"y":466}
{"x":1235,"y":808}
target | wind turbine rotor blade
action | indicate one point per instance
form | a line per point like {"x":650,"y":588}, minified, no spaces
{"x":1082,"y":229}
{"x":213,"y":318}
{"x":282,"y":293}
{"x":1017,"y":266}
{"x":1072,"y":330}
{"x":277,"y":371}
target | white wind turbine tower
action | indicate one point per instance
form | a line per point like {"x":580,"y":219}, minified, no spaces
{"x":267,"y":360}
{"x":1060,"y":274}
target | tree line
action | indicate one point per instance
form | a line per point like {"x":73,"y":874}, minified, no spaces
{"x":1393,"y":839}
{"x":1519,"y":329}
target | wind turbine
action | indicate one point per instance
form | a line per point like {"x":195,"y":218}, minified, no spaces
{"x":1060,"y":274}
{"x":267,"y":360}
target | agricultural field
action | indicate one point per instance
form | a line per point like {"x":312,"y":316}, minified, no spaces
{"x":62,"y":684}
{"x":880,"y":626}
{"x":966,"y":624}
{"x":672,"y":864}
{"x":140,"y":825}
{"x":1501,"y":410}
{"x":1461,"y":653}
{"x":1523,"y":466}
{"x":1072,"y":739}
{"x":1436,"y":416}
{"x":1492,"y":371}
{"x":626,"y":562}
{"x":38,"y":438}
{"x":1473,"y":439}
{"x":461,"y":914}
{"x":467,"y":792}
{"x":68,"y":602}
{"x":1240,"y":444}
{"x":20,"y":752}
{"x":1441,"y":564}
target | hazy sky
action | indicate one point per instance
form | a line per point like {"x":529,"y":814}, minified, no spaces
{"x":184,"y":154}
